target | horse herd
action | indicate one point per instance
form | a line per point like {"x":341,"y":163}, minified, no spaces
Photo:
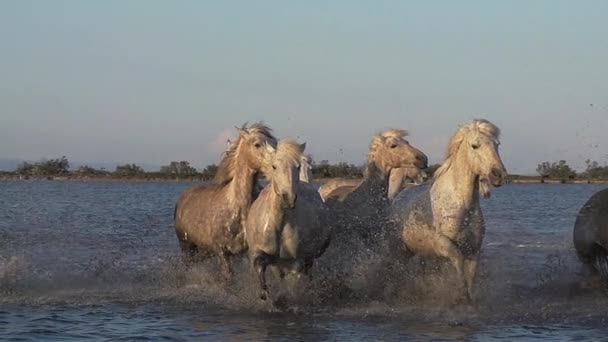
{"x":262,"y":204}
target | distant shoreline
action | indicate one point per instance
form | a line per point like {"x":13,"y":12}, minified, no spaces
{"x":15,"y":177}
{"x":516,"y":180}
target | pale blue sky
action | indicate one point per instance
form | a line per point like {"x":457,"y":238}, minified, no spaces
{"x":154,"y":81}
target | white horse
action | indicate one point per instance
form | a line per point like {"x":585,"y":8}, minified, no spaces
{"x":284,"y":226}
{"x":444,"y":218}
{"x":306,"y":169}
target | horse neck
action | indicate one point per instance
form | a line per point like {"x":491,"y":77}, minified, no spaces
{"x":395,"y":183}
{"x":458,"y":184}
{"x":240,"y":189}
{"x":274,"y":212}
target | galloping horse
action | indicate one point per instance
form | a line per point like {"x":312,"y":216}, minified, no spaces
{"x":444,"y":218}
{"x":209,"y":217}
{"x":364,"y":211}
{"x":284,"y":226}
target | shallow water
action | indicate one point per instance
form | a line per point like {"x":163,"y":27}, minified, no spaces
{"x":99,"y":260}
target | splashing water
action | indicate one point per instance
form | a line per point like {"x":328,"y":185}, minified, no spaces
{"x":81,"y":259}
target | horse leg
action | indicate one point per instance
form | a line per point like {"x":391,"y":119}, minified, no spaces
{"x":446,"y":248}
{"x":189,"y":251}
{"x":307,"y":266}
{"x":278,"y":270}
{"x":260,"y":262}
{"x":399,"y":255}
{"x":470,"y":269}
{"x":226,"y":263}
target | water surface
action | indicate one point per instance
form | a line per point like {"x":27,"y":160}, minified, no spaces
{"x":99,"y":260}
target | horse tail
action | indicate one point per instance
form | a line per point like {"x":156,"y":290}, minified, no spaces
{"x":601,"y":263}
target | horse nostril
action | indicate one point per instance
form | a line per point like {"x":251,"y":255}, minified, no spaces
{"x":423,"y":159}
{"x":497,"y":174}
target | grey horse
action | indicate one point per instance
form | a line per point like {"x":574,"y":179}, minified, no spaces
{"x":591,"y":233}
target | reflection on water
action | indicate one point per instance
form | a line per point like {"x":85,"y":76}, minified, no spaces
{"x":99,"y":259}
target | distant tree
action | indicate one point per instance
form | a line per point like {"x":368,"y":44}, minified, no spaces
{"x":129,"y":170}
{"x":51,"y":167}
{"x":558,"y":170}
{"x":25,"y":168}
{"x":209,"y":172}
{"x":594,"y":170}
{"x":342,"y":169}
{"x":544,"y":169}
{"x":90,"y":171}
{"x":181,"y":168}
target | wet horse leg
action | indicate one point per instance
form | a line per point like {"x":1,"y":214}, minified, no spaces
{"x":446,"y":248}
{"x":260,"y":261}
{"x":226,"y":263}
{"x":278,"y":270}
{"x":189,"y":251}
{"x":399,"y":256}
{"x":470,"y":270}
{"x":308,"y":263}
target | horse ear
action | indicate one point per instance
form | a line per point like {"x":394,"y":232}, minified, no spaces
{"x":242,"y":130}
{"x":302,"y":147}
{"x":270,"y":148}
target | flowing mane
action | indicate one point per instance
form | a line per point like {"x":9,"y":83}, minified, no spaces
{"x":225,"y":171}
{"x":377,"y":141}
{"x":480,"y":126}
{"x":289,"y":148}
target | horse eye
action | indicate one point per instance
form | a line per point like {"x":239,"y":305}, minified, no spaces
{"x":274,"y":167}
{"x":475,"y":146}
{"x":257,"y":145}
{"x":393,"y":145}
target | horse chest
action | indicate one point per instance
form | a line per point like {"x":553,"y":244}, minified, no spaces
{"x":453,"y":223}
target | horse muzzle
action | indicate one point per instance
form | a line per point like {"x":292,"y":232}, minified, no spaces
{"x":497,"y":177}
{"x":422,"y":161}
